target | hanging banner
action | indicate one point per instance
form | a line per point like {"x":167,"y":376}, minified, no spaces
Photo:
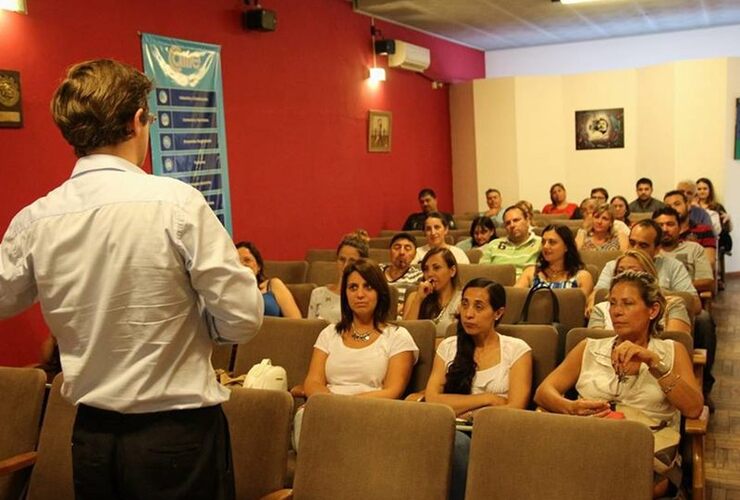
{"x":188,"y":139}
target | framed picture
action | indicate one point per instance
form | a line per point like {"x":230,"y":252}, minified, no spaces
{"x":379,"y":129}
{"x":11,"y":114}
{"x":600,"y":129}
{"x":737,"y":129}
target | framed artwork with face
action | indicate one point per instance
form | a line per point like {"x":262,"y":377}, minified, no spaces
{"x":379,"y":129}
{"x":600,"y":129}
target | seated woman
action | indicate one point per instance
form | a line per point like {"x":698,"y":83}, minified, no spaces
{"x":482,"y":232}
{"x":559,"y":203}
{"x":362,"y":355}
{"x":324,"y":301}
{"x":559,"y":264}
{"x":437,"y":297}
{"x":436,"y":228}
{"x":278,"y":299}
{"x":479,"y":367}
{"x":621,"y":209}
{"x":586,"y":211}
{"x":676,"y":316}
{"x":601,"y":235}
{"x":648,"y":375}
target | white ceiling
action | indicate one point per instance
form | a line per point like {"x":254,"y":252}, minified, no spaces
{"x":506,"y":24}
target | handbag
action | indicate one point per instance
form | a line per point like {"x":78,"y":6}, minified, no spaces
{"x":665,"y":438}
{"x":554,"y":315}
{"x":264,"y":375}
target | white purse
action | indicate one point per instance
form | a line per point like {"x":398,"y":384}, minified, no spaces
{"x":266,"y":376}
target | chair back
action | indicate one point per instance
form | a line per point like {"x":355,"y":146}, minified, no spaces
{"x":321,"y":254}
{"x":404,"y":449}
{"x":287,"y":342}
{"x":380,"y":242}
{"x":52,"y":474}
{"x":474,"y":255}
{"x":571,"y":304}
{"x":301,"y":293}
{"x":259,"y":424}
{"x":424,"y":333}
{"x":22,"y":392}
{"x":598,"y":258}
{"x":564,"y":457}
{"x":322,"y":272}
{"x":223,"y":357}
{"x":504,"y":274}
{"x":379,"y":255}
{"x":289,"y":271}
{"x":543,"y":339}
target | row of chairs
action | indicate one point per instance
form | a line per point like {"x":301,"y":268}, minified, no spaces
{"x":289,"y":344}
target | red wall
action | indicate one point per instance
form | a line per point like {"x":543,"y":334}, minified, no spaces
{"x":296,"y":104}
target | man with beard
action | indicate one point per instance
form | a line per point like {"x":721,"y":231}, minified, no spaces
{"x":645,"y":201}
{"x":400,"y":273}
{"x":690,"y":230}
{"x":696,"y":213}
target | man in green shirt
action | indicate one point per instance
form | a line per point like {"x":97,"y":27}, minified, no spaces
{"x":520,"y":247}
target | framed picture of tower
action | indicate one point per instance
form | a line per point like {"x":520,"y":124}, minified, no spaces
{"x":379,"y":128}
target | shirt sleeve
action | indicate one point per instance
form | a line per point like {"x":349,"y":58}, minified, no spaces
{"x":446,"y":349}
{"x":597,"y":320}
{"x":313,"y":304}
{"x":675,"y":309}
{"x":323,"y":342}
{"x":401,"y":341}
{"x":680,"y":279}
{"x":17,"y":282}
{"x":605,"y":278}
{"x":518,"y":348}
{"x":702,"y":270}
{"x":232,"y":303}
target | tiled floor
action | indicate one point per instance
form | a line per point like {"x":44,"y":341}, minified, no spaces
{"x":723,"y":439}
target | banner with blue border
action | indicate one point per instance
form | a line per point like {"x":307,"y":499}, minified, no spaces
{"x":188,"y":139}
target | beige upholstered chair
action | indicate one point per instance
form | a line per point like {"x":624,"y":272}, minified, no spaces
{"x":571,"y":301}
{"x":380,"y":242}
{"x":527,"y":455}
{"x":322,"y":272}
{"x":287,"y":342}
{"x":474,"y":255}
{"x":321,"y":254}
{"x":543,"y":339}
{"x":379,"y":255}
{"x":598,"y":258}
{"x":301,"y":293}
{"x":504,"y":274}
{"x":365,"y":449}
{"x":290,"y":271}
{"x":52,"y":474}
{"x":223,"y":357}
{"x":22,"y":391}
{"x":424,"y":333}
{"x":259,"y":424}
{"x":694,"y":428}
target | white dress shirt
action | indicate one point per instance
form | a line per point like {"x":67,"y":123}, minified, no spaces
{"x":134,"y":274}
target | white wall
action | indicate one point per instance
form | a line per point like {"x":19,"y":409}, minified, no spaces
{"x":614,"y":53}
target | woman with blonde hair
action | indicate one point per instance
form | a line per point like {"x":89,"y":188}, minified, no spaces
{"x":676,"y":316}
{"x":601,"y":234}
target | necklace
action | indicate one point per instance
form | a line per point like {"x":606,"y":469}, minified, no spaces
{"x":360,"y":336}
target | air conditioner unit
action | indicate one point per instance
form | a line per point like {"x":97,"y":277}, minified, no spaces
{"x":409,"y":56}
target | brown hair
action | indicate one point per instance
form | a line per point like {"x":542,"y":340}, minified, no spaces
{"x":96,"y":102}
{"x":371,"y":273}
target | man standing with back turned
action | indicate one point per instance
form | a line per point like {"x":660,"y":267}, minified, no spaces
{"x":135,"y":276}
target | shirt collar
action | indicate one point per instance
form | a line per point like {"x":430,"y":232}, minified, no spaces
{"x":91,"y":163}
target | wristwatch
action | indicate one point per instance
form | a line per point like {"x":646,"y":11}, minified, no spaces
{"x":659,"y":369}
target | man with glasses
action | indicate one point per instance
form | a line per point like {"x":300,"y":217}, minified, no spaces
{"x":136,"y":278}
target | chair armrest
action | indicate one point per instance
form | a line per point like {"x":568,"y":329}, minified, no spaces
{"x":284,"y":494}
{"x":699,"y":357}
{"x":417,"y":397}
{"x":698,"y":425}
{"x":17,"y":462}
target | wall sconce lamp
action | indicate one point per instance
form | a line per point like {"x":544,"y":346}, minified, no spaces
{"x":376,"y":74}
{"x":14,"y":6}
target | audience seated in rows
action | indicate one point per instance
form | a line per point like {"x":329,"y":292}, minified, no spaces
{"x":558,"y":202}
{"x":325,"y":300}
{"x":520,"y":247}
{"x":363,"y":354}
{"x":428,"y":203}
{"x":610,"y":381}
{"x":559,"y":264}
{"x":674,"y":319}
{"x":277,"y":298}
{"x":401,"y":273}
{"x":644,"y":201}
{"x":438,"y":297}
{"x":482,"y":232}
{"x":601,"y":233}
{"x":479,"y":368}
{"x":495,"y":206}
{"x":436,"y":229}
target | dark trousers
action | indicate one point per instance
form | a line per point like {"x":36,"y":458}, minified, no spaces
{"x":178,"y":454}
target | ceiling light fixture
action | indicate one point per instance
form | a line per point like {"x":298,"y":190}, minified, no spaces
{"x":14,"y":6}
{"x":567,"y":2}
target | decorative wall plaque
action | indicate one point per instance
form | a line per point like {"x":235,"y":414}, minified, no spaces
{"x":11,"y":114}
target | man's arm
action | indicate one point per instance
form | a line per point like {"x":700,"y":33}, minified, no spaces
{"x":680,"y":281}
{"x":17,"y":282}
{"x":703,"y":275}
{"x":233,"y":303}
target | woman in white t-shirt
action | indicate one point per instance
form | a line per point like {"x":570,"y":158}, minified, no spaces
{"x":479,"y":367}
{"x":436,"y":228}
{"x":362,"y":355}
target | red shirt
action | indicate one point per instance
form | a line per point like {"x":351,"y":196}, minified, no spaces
{"x":569,"y":209}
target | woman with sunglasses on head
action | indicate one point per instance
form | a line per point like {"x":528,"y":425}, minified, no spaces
{"x":479,"y":367}
{"x":652,"y":378}
{"x":437,"y":298}
{"x":362,"y":355}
